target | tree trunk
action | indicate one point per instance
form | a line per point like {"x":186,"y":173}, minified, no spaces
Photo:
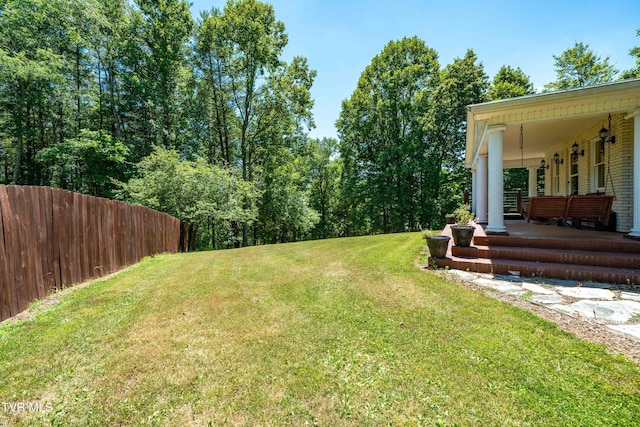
{"x":213,"y":234}
{"x":100,"y":95}
{"x":20,"y":126}
{"x":16,"y":169}
{"x":236,"y":232}
{"x":78,"y":121}
{"x":193,"y":229}
{"x":245,"y":235}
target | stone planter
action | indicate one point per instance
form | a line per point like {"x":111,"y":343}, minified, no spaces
{"x":462,"y":236}
{"x":438,"y":246}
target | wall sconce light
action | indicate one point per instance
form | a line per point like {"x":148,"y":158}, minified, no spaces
{"x":605,"y":134}
{"x":575,"y":152}
{"x":543,"y":164}
{"x":557,"y":159}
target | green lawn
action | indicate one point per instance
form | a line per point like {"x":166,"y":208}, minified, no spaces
{"x":333,"y":332}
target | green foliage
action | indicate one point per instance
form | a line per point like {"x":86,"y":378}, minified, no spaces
{"x":143,"y":74}
{"x":285,"y":211}
{"x":324,"y":195}
{"x":384,"y":145}
{"x":463,"y":83}
{"x":634,"y":73}
{"x":193,"y":191}
{"x":580,"y":66}
{"x":516,"y":179}
{"x":403,"y":138}
{"x":463,"y":215}
{"x":32,"y":63}
{"x":258,"y":103}
{"x":158,"y":60}
{"x":510,"y":83}
{"x":87,"y":164}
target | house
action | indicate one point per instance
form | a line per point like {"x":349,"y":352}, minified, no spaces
{"x":586,"y":140}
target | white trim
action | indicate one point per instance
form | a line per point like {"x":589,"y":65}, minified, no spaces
{"x":635,"y":230}
{"x":620,"y":86}
{"x":480,"y":143}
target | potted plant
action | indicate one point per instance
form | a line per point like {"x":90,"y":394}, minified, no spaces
{"x":463,"y":230}
{"x":438,"y":245}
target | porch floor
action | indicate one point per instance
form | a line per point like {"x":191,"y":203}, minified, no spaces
{"x":545,"y":250}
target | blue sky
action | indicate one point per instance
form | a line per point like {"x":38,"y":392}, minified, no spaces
{"x":340,"y":37}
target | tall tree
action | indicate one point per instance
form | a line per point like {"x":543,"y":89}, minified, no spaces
{"x":285,"y":211}
{"x":634,"y":73}
{"x":463,"y":83}
{"x":510,"y":83}
{"x":166,"y":26}
{"x":324,"y":173}
{"x":110,"y":46}
{"x":49,"y":81}
{"x":29,"y":74}
{"x":383,"y":141}
{"x":580,"y":66}
{"x":239,"y":54}
{"x":211,"y":60}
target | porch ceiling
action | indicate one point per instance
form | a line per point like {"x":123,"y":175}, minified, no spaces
{"x":547,"y":119}
{"x":540,"y":137}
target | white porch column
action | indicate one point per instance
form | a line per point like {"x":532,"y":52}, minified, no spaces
{"x":496,"y":182}
{"x":474,"y":190}
{"x":635,"y":231}
{"x":481,"y":191}
{"x":533,"y":181}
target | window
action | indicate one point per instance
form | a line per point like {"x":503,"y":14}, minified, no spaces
{"x":598,"y":166}
{"x":556,"y":178}
{"x":574,"y":179}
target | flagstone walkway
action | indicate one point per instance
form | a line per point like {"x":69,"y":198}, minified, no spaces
{"x":615,"y":308}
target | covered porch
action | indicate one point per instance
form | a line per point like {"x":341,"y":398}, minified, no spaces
{"x":583,"y":141}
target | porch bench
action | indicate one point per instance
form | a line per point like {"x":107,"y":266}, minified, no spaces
{"x":546,"y":207}
{"x":590,"y":207}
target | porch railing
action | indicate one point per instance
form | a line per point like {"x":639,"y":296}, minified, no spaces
{"x":512,"y":200}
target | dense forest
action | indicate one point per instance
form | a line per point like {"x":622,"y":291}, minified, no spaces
{"x":203,"y":119}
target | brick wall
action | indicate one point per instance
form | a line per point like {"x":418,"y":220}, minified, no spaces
{"x":618,"y":166}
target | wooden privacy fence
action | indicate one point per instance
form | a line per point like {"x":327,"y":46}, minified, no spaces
{"x":51,"y":238}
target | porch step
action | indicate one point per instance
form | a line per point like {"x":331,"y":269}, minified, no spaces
{"x":623,"y":276}
{"x":616,"y":246}
{"x":559,"y":256}
{"x":550,"y":252}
